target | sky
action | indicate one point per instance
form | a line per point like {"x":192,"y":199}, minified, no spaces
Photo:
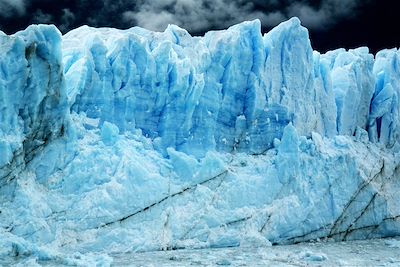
{"x":332,"y":23}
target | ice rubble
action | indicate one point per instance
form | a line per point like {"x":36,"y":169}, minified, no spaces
{"x":126,"y":140}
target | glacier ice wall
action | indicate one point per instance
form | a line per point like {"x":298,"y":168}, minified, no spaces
{"x":32,"y":96}
{"x":118,"y":140}
{"x":229,"y":90}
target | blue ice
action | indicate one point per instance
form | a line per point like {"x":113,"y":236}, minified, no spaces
{"x":131,"y":140}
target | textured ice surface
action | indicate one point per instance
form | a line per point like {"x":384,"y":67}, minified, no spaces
{"x":131,"y":140}
{"x":32,"y":96}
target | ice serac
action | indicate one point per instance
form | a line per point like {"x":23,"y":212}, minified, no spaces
{"x":384,"y":116}
{"x":32,"y":97}
{"x":353,"y":87}
{"x":132,"y":140}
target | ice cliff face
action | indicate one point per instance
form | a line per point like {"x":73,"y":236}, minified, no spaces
{"x":229,"y":90}
{"x":32,"y":96}
{"x":136,"y":140}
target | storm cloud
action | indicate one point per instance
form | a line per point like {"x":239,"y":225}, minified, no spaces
{"x":197,"y":16}
{"x":10,"y":8}
{"x":332,"y":23}
{"x":200,"y":15}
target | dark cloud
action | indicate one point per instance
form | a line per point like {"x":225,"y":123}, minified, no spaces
{"x":9,"y":8}
{"x":40,"y":17}
{"x":201,"y":15}
{"x":67,"y":20}
{"x":196,"y":16}
{"x":327,"y":13}
{"x":322,"y":17}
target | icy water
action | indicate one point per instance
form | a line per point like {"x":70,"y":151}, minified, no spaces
{"x":379,"y":252}
{"x":383,"y":252}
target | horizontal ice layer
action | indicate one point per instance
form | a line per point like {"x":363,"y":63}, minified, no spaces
{"x":118,"y":140}
{"x":32,"y":96}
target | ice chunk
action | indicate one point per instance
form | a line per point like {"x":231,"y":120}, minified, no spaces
{"x":109,"y":133}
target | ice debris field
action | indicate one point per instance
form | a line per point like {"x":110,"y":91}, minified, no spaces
{"x":118,"y":141}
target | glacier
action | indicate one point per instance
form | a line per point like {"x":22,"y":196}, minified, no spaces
{"x":130,"y":140}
